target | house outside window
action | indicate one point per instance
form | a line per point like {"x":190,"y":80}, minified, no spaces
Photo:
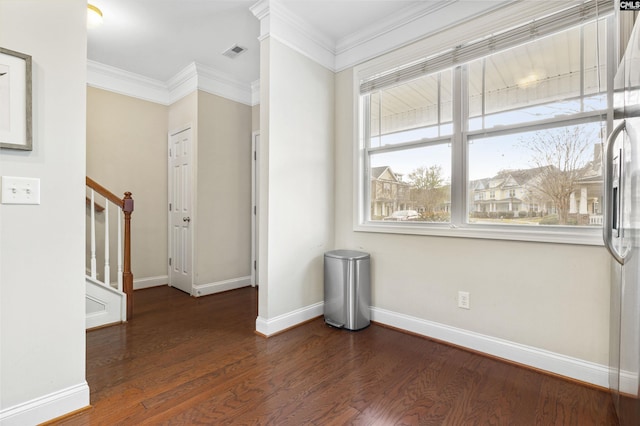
{"x":529,"y":119}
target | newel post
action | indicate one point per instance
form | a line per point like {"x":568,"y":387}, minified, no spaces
{"x":127,"y":276}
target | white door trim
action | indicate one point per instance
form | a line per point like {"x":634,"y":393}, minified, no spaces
{"x":255,"y":186}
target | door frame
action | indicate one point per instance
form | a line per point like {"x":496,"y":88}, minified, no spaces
{"x":255,"y":192}
{"x":170,"y":134}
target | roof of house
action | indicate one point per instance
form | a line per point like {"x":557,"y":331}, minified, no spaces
{"x":384,"y":173}
{"x":508,"y":178}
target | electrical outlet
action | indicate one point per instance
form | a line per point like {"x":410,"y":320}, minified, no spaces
{"x":463,"y":300}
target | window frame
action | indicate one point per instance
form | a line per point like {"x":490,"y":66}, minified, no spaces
{"x":459,"y":225}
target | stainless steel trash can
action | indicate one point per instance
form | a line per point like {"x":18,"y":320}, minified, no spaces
{"x":347,"y":289}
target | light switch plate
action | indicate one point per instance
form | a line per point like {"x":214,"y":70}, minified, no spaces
{"x":20,"y":190}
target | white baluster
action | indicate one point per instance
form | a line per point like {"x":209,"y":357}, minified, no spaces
{"x":107,"y":271}
{"x":120,"y":285}
{"x":93,"y":236}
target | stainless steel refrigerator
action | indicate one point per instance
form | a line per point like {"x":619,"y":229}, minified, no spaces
{"x":621,"y":235}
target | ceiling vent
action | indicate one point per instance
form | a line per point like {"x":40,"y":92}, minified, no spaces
{"x":234,"y":51}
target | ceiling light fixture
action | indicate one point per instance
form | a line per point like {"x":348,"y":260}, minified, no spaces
{"x":533,"y":79}
{"x":94,"y":16}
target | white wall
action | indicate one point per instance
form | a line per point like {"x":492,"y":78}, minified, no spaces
{"x":297,"y":159}
{"x":42,"y":294}
{"x":543,"y":305}
{"x":263,"y":178}
{"x":551,"y":297}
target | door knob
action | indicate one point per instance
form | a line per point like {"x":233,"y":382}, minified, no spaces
{"x":186,"y":219}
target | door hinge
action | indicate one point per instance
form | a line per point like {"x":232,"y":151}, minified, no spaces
{"x":255,"y":155}
{"x":254,"y":265}
{"x":169,"y":206}
{"x":169,"y":152}
{"x":169,"y":261}
{"x":255,"y":210}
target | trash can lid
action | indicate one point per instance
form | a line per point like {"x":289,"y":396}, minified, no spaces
{"x":347,"y":254}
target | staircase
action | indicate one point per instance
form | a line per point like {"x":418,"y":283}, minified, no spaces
{"x":108,"y":302}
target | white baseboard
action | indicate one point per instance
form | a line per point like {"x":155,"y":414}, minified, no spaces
{"x":220,"y":286}
{"x":147,"y":282}
{"x":277,"y":324}
{"x":629,"y":382}
{"x":563,"y":365}
{"x":47,"y":407}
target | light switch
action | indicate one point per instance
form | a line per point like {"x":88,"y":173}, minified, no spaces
{"x":20,"y":190}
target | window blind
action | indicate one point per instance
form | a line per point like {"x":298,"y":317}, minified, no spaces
{"x":515,"y":36}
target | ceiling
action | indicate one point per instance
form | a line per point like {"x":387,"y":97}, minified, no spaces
{"x":157,"y":39}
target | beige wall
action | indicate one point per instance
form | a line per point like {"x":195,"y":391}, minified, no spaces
{"x":223,"y":237}
{"x":549,"y":296}
{"x":184,"y":113}
{"x":297,"y":154}
{"x":42,"y":293}
{"x":127,"y":151}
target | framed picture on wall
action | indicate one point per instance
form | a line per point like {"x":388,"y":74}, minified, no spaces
{"x":15,"y":100}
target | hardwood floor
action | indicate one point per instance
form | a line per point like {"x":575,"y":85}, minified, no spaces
{"x":187,"y":361}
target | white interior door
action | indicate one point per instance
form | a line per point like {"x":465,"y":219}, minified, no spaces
{"x":180,"y":211}
{"x":254,"y":208}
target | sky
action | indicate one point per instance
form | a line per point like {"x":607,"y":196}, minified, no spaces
{"x":487,"y":155}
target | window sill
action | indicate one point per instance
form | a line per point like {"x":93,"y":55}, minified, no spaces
{"x":559,"y":235}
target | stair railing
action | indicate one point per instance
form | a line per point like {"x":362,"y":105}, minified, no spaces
{"x":124,"y":205}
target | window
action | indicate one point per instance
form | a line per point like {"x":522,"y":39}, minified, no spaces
{"x":522,"y":127}
{"x":410,"y":146}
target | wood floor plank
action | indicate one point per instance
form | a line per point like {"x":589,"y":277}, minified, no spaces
{"x":188,"y":361}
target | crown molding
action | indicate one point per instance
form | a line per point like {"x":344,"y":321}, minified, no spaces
{"x":260,"y":9}
{"x":400,"y":29}
{"x":183,"y":83}
{"x":196,"y":76}
{"x":392,"y":23}
{"x":116,"y":80}
{"x":300,"y":27}
{"x":225,"y":85}
{"x":191,"y":78}
{"x":463,"y":30}
{"x":396,"y":31}
{"x":278,"y":22}
{"x":410,"y":26}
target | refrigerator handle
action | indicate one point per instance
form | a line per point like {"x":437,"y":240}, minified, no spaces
{"x":611,"y":203}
